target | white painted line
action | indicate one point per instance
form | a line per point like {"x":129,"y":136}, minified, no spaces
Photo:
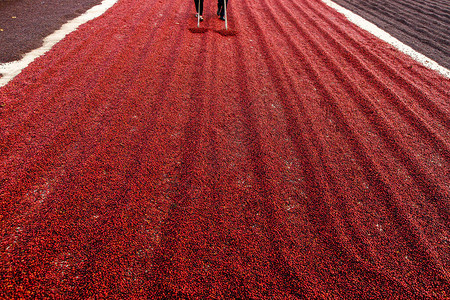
{"x":12,"y":69}
{"x":381,"y":34}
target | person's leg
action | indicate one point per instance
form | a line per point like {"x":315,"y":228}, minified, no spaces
{"x":201,"y":8}
{"x":196,"y":5}
{"x":219,"y":7}
{"x":222,"y":10}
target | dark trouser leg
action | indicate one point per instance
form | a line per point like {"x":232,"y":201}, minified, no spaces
{"x":196,"y":5}
{"x":220,"y":9}
{"x":219,"y":6}
{"x":201,"y":6}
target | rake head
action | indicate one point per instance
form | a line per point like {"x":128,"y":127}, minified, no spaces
{"x":227,"y":32}
{"x":198,"y":30}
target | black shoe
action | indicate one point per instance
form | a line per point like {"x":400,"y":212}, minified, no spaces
{"x":219,"y":11}
{"x":221,"y":18}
